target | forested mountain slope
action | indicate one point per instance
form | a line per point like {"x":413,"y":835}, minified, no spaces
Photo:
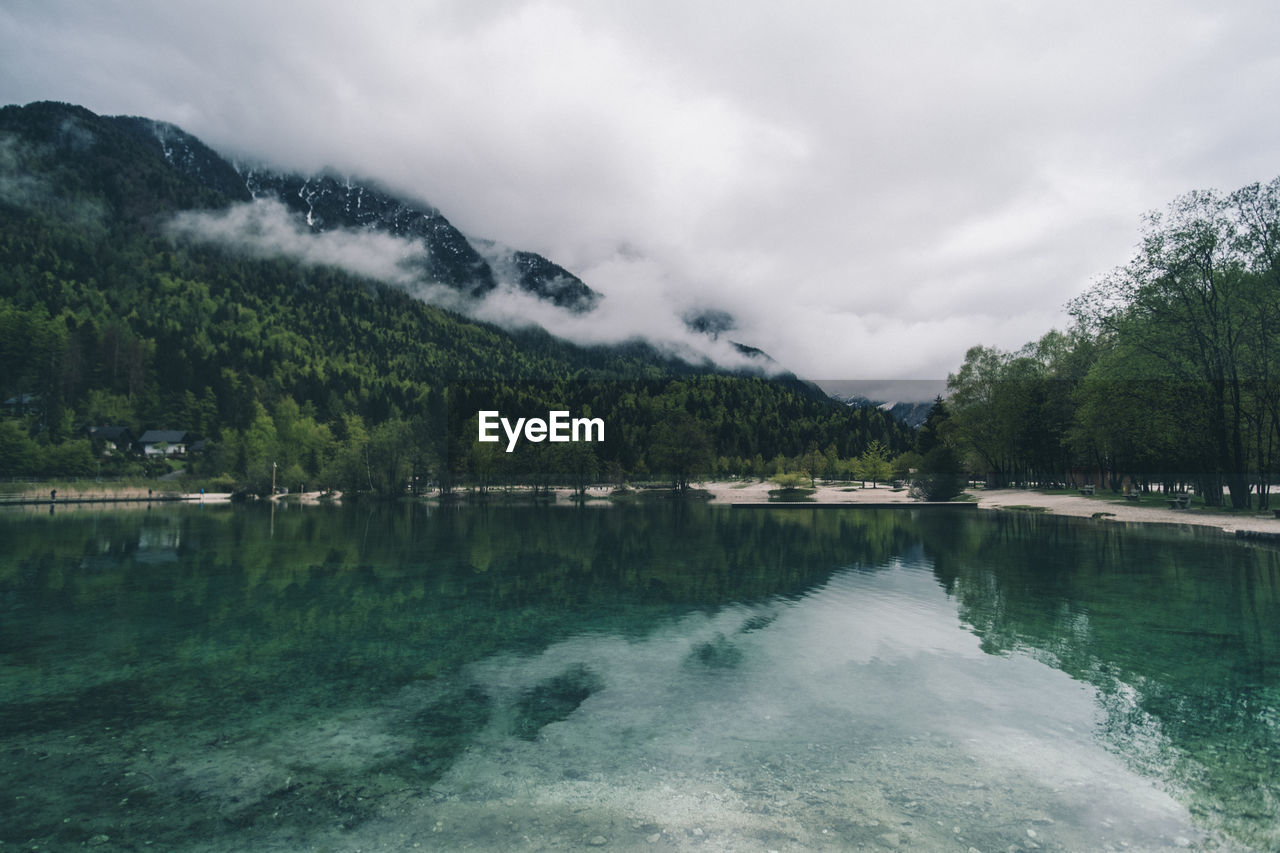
{"x":111,"y":316}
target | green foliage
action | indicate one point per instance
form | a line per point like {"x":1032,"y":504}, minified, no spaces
{"x":388,"y":457}
{"x":873,"y":464}
{"x":107,"y":319}
{"x":19,"y":455}
{"x":940,"y":473}
{"x":1171,"y":376}
{"x":904,"y":463}
{"x":941,"y":476}
{"x":680,"y":449}
{"x":793,"y":480}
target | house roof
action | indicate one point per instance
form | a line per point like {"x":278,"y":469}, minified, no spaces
{"x":168,"y":436}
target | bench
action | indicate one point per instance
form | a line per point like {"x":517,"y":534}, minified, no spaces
{"x":1179,"y":501}
{"x":1132,"y":496}
{"x":1086,"y":490}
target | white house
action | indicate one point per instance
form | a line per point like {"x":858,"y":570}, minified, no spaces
{"x":164,"y":442}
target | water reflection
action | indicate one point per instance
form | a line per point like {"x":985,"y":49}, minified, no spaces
{"x":1179,"y":631}
{"x":789,"y":677}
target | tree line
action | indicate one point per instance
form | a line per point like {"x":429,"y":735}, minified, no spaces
{"x":323,"y":378}
{"x":1168,"y":378}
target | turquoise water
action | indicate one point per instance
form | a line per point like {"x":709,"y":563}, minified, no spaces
{"x":653,"y":678}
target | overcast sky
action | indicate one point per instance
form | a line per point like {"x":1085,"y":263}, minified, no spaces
{"x":870,"y":188}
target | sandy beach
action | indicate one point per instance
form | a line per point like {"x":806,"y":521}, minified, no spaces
{"x":1124,"y":511}
{"x":1115,"y":508}
{"x":758,"y":492}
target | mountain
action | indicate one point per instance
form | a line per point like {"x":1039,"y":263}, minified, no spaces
{"x":713,"y":322}
{"x":539,"y":276}
{"x":118,"y":307}
{"x":327,"y":202}
{"x":913,"y":414}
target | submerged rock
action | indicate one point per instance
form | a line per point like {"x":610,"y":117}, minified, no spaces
{"x":553,"y":700}
{"x":756,"y":623}
{"x":719,"y":653}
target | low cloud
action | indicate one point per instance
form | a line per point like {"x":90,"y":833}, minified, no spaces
{"x":266,"y":228}
{"x":635,"y":306}
{"x":20,"y":188}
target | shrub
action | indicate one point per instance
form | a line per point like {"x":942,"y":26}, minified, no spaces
{"x":941,"y":476}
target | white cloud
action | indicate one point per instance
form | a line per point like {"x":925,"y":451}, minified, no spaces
{"x":866,"y":186}
{"x":266,"y":228}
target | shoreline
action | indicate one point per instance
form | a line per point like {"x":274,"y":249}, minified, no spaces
{"x":1120,"y":510}
{"x":1103,"y":508}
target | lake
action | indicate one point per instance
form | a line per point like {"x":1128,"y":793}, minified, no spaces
{"x":650,"y":677}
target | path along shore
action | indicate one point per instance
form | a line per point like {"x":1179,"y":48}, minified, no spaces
{"x":1120,"y":509}
{"x":1114,"y":508}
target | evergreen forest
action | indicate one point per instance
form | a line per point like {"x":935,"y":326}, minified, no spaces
{"x":311,"y":375}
